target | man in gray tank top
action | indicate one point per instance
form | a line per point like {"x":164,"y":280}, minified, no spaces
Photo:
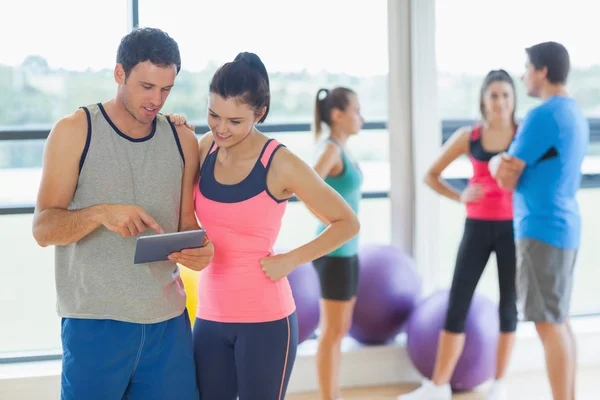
{"x":111,"y":172}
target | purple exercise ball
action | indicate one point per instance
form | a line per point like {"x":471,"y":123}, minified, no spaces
{"x":388,"y":290}
{"x":477,"y":363}
{"x":306,"y":291}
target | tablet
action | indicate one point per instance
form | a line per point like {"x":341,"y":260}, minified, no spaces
{"x":154,"y":248}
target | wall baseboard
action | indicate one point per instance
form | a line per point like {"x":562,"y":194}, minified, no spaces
{"x":390,"y":364}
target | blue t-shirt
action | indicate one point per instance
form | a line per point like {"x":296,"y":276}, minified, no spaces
{"x":552,"y":140}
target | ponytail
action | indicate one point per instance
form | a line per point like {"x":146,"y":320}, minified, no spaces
{"x":319,"y":103}
{"x":337,"y":98}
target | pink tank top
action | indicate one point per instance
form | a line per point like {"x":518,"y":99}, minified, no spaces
{"x":242,"y":221}
{"x":496,"y":203}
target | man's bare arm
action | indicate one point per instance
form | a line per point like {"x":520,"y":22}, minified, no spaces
{"x":53,"y":223}
{"x":189,"y":145}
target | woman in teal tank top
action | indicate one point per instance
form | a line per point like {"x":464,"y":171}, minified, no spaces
{"x":348,"y":184}
{"x":338,"y":271}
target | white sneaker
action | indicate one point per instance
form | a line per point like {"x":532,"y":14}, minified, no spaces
{"x":429,"y":391}
{"x":497,"y":391}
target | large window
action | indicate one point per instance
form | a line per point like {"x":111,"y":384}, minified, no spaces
{"x":304,"y":47}
{"x":474,"y":37}
{"x":469,"y":44}
{"x":46,"y":76}
{"x":55,"y":63}
{"x":49,"y":66}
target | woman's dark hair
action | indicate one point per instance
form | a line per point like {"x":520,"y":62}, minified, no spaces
{"x":553,"y":56}
{"x":245,"y":77}
{"x":497,"y":75}
{"x":336,"y":98}
{"x":148,"y":44}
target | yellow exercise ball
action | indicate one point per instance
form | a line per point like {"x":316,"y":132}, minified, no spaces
{"x":190,"y":283}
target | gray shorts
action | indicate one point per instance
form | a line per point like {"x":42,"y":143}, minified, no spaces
{"x":544,"y":280}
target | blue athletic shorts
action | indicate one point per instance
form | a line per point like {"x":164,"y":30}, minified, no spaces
{"x":113,"y":360}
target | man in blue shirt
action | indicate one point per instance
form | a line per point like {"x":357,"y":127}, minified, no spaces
{"x":543,"y":167}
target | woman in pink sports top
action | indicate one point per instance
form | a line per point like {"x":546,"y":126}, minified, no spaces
{"x":488,"y":228}
{"x":245,"y":332}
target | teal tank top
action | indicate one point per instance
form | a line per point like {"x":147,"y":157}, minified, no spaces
{"x":348,"y":185}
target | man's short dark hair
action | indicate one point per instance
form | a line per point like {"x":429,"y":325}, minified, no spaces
{"x":148,"y":44}
{"x":554,"y":56}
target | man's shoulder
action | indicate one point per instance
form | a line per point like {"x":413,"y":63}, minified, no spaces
{"x":554,"y":106}
{"x":567,"y":116}
{"x":541,"y":111}
{"x":544,"y":117}
{"x":69,"y":134}
{"x":75,"y":124}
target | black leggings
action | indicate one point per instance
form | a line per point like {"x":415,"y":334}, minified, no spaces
{"x":480,"y":238}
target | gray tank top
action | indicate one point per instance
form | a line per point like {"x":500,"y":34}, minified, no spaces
{"x":96,"y":277}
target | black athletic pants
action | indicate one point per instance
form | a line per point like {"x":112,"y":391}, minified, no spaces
{"x":480,"y":239}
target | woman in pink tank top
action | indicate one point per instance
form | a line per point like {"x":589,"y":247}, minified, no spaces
{"x":245,"y":332}
{"x":488,"y":228}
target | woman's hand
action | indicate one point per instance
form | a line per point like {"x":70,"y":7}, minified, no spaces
{"x":277,"y":266}
{"x":179,"y":120}
{"x":472,"y":194}
{"x":195,"y":259}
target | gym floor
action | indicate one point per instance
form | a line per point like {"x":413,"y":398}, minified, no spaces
{"x":532,"y":386}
